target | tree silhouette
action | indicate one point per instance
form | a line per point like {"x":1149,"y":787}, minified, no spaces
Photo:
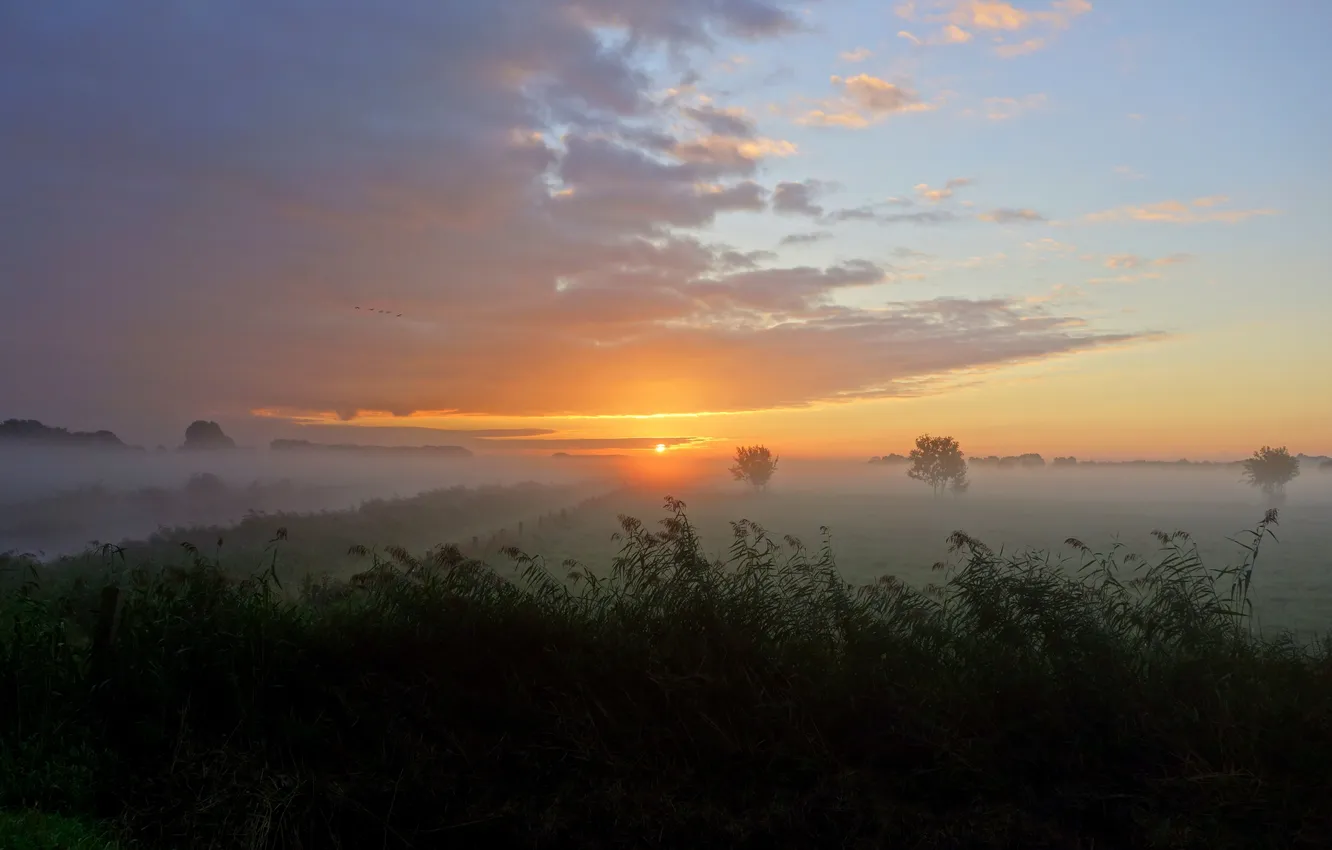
{"x":204,"y":434}
{"x":1271,"y":470}
{"x":754,"y":464}
{"x":939,"y":462}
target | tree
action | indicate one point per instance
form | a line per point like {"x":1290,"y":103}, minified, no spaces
{"x":203,"y":434}
{"x":754,"y":464}
{"x":1271,"y":470}
{"x":938,"y":461}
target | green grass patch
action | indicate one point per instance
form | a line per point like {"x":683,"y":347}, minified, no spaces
{"x":671,"y":699}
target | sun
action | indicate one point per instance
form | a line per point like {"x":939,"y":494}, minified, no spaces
{"x":661,"y":447}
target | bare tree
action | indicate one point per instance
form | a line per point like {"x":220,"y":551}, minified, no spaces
{"x":939,"y":462}
{"x":1271,"y":470}
{"x":754,"y":464}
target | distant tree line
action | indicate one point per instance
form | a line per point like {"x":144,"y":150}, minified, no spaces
{"x":32,"y":431}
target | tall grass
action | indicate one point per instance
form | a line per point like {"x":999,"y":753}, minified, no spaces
{"x":672,"y":699}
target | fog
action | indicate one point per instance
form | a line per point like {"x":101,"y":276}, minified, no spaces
{"x":1098,"y":483}
{"x":56,"y":500}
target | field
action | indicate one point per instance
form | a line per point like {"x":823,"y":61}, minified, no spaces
{"x":884,"y":524}
{"x":706,"y":684}
{"x":879,"y":522}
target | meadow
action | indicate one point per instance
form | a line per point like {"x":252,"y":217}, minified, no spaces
{"x":695,"y":680}
{"x":881,"y":523}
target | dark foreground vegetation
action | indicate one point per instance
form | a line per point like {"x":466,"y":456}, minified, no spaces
{"x":669,"y":701}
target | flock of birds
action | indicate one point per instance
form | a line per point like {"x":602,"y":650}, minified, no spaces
{"x":384,"y":312}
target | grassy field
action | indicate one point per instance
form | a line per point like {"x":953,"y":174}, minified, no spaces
{"x":664,"y":698}
{"x":891,"y":527}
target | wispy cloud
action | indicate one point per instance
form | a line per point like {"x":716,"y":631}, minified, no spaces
{"x":953,"y":34}
{"x":1125,"y":278}
{"x":1198,"y":211}
{"x":1133,"y":261}
{"x":732,"y":150}
{"x":934,"y":196}
{"x":864,"y":100}
{"x":950,"y":34}
{"x":1008,"y":215}
{"x":555,"y":444}
{"x":1048,"y":245}
{"x":1129,"y":173}
{"x":1006,"y":108}
{"x":860,"y":54}
{"x":1021,"y":48}
{"x":961,"y":18}
{"x":876,"y":213}
{"x":806,"y":238}
{"x":1057,"y":293}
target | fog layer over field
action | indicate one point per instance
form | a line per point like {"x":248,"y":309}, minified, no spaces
{"x":881,"y":522}
{"x":57,"y":500}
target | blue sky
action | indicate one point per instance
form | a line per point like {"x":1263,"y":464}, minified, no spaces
{"x":1134,"y":103}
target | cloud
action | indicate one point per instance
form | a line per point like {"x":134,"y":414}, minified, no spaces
{"x":1198,"y":211}
{"x":1129,"y":173}
{"x":1001,"y":19}
{"x":990,"y":15}
{"x":875,"y":96}
{"x":806,"y":238}
{"x":1059,"y":292}
{"x":953,"y":34}
{"x":1133,"y":261}
{"x":1172,"y":260}
{"x":331,"y":427}
{"x":1003,"y":16}
{"x":1052,"y":246}
{"x":797,"y":198}
{"x":905,"y":253}
{"x":1005,"y":108}
{"x":1123,"y":261}
{"x":733,"y":121}
{"x":732,"y":151}
{"x":1022,"y":48}
{"x":872,"y":213}
{"x":950,"y":34}
{"x":924,"y":191}
{"x":864,"y":100}
{"x":1007,"y":215}
{"x":1125,"y":278}
{"x":860,"y":54}
{"x":592,"y":443}
{"x":519,"y":190}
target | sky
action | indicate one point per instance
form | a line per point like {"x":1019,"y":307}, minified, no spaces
{"x":1068,"y":226}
